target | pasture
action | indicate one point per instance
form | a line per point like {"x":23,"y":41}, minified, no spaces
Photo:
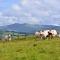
{"x":30,"y":48}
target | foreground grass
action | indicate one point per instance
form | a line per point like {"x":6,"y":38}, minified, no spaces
{"x":30,"y":49}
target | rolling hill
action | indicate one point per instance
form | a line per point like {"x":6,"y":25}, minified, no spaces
{"x":27,"y":28}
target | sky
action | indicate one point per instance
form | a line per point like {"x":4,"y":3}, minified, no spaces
{"x":43,"y":12}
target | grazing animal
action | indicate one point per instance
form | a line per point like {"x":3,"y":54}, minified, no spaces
{"x":42,"y":34}
{"x":37,"y":34}
{"x":46,"y":34}
{"x":54,"y":33}
{"x":50,"y":35}
{"x":7,"y":37}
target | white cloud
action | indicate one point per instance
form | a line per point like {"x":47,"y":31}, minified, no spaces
{"x":25,"y":2}
{"x":34,"y":21}
{"x":29,"y":20}
{"x":55,"y":16}
{"x":44,"y":13}
{"x":28,"y":14}
{"x":37,"y":2}
{"x":16,"y":7}
{"x":53,"y":3}
{"x":1,"y":13}
{"x":6,"y":20}
{"x":31,"y":11}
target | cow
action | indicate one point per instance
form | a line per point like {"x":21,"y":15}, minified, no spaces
{"x":37,"y":34}
{"x":46,"y":34}
{"x":7,"y":37}
{"x":54,"y":33}
{"x":42,"y":34}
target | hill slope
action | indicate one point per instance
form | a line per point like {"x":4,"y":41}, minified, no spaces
{"x":30,"y":49}
{"x":28,"y":28}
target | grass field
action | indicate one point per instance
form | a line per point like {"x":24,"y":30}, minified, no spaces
{"x":30,"y":49}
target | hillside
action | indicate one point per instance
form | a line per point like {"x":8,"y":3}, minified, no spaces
{"x":30,"y":49}
{"x":28,"y":28}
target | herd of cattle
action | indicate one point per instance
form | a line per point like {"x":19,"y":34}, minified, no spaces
{"x":47,"y":34}
{"x":41,"y":34}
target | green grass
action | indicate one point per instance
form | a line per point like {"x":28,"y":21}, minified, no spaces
{"x":30,"y":49}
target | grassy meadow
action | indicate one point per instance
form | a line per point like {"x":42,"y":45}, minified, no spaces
{"x":30,"y":48}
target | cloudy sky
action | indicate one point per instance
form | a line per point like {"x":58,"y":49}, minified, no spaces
{"x":30,"y":11}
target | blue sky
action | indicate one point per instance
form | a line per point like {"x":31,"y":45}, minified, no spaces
{"x":30,"y":11}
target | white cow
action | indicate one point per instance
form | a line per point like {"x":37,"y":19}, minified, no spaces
{"x":50,"y":33}
{"x":42,"y":34}
{"x":46,"y":33}
{"x":37,"y":34}
{"x":54,"y":33}
{"x":7,"y":37}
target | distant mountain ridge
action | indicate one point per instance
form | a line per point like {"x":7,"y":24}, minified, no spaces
{"x":28,"y":28}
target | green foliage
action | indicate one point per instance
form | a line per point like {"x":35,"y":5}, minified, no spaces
{"x":30,"y":48}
